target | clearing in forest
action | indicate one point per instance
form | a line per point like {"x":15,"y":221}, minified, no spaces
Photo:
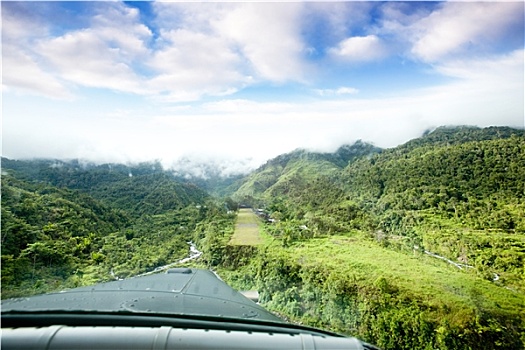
{"x":246,"y":229}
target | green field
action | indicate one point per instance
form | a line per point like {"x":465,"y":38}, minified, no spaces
{"x":246,"y":229}
{"x":352,"y":285}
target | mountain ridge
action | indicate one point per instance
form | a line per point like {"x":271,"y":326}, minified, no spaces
{"x":300,"y":165}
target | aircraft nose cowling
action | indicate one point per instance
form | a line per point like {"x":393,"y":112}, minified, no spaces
{"x":190,"y":305}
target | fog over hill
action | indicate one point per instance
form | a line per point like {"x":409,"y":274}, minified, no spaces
{"x":202,"y":168}
{"x":209,"y":82}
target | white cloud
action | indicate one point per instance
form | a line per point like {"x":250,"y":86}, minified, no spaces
{"x":101,"y":56}
{"x":84,"y":58}
{"x":265,"y":36}
{"x":484,"y":92}
{"x":337,"y":92}
{"x":243,"y":107}
{"x":268,"y":35}
{"x":458,"y":27}
{"x":21,"y":69}
{"x":217,"y":49}
{"x":192,"y":64}
{"x":397,"y":15}
{"x":346,"y":90}
{"x":25,"y":74}
{"x":487,"y":91}
{"x":359,"y":48}
{"x":505,"y":67}
{"x":120,"y":26}
{"x":21,"y":25}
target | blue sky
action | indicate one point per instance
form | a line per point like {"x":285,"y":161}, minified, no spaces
{"x":238,"y":83}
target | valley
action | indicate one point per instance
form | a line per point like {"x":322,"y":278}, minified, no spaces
{"x":362,"y":241}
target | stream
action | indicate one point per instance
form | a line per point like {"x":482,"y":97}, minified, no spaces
{"x":458,"y":265}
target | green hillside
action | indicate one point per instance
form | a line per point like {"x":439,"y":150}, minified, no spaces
{"x":139,"y":189}
{"x":464,"y":201}
{"x":99,"y":224}
{"x":299,"y":168}
{"x":421,"y":246}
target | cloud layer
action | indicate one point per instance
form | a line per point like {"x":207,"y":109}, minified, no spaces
{"x":137,"y":81}
{"x":217,"y":49}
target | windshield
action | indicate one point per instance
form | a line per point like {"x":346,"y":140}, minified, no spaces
{"x":351,"y":166}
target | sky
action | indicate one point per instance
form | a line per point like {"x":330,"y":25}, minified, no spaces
{"x":238,"y":83}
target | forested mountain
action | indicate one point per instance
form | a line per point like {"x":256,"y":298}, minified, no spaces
{"x":418,"y":246}
{"x":454,"y":135}
{"x":299,"y":168}
{"x":417,"y":194}
{"x":68,"y":224}
{"x":47,"y":232}
{"x":140,"y":189}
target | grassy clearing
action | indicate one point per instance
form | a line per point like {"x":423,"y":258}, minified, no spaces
{"x":352,"y":285}
{"x":247,"y":229}
{"x":431,"y":281}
